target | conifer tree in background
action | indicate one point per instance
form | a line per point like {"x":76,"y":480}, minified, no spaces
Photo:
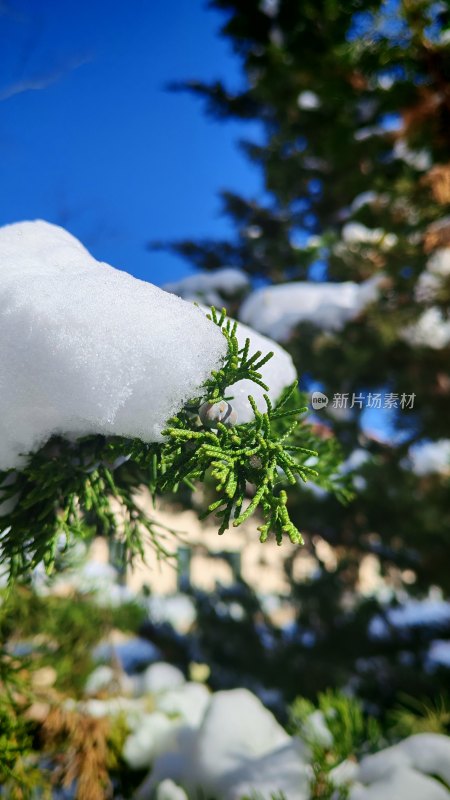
{"x":353,"y":101}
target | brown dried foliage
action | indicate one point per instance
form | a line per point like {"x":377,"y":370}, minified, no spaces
{"x":437,"y":235}
{"x":78,"y":743}
{"x":438,"y":179}
{"x":426,"y":107}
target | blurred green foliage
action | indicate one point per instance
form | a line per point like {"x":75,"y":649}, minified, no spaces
{"x":352,"y":103}
{"x":61,"y":632}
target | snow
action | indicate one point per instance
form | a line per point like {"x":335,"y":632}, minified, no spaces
{"x":315,"y":729}
{"x":161,"y":677}
{"x":105,"y":678}
{"x":211,"y":288}
{"x":238,"y":749}
{"x":433,"y":277}
{"x":414,"y":613}
{"x":424,"y":752}
{"x":444,"y":37}
{"x":227,"y":745}
{"x":87,"y":348}
{"x":345,"y":773}
{"x":236,"y":728}
{"x":385,"y":82}
{"x":427,"y":287}
{"x":403,"y":784}
{"x":252,"y":231}
{"x":432,"y":329}
{"x":92,"y":577}
{"x":277,"y":373}
{"x":361,"y":134}
{"x":152,"y":737}
{"x":357,"y":458}
{"x":189,"y":702}
{"x":427,"y":458}
{"x":364,"y":199}
{"x":317,"y":164}
{"x":439,"y":654}
{"x":168,"y":790}
{"x":439,"y":262}
{"x":276,"y":36}
{"x":418,"y":159}
{"x":281,"y":773}
{"x":357,"y":233}
{"x":177,"y":609}
{"x":399,"y":771}
{"x":128,"y":707}
{"x":270,"y":7}
{"x":277,"y":310}
{"x":405,"y":771}
{"x":131,"y":654}
{"x":308,"y":101}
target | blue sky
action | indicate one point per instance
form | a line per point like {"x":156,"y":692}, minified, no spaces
{"x":90,"y":138}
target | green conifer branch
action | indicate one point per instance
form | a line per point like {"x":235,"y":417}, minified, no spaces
{"x":68,"y":488}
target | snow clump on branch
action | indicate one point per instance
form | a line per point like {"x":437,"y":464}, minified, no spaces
{"x":89,"y":349}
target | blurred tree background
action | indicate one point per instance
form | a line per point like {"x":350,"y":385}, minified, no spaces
{"x":353,"y":102}
{"x":343,"y":257}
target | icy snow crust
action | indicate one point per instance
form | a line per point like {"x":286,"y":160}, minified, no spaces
{"x":86,"y":348}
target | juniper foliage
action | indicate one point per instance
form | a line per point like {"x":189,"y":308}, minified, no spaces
{"x":73,"y":489}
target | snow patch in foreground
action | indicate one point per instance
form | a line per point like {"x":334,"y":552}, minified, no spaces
{"x":227,"y":745}
{"x":405,"y":771}
{"x":238,"y":749}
